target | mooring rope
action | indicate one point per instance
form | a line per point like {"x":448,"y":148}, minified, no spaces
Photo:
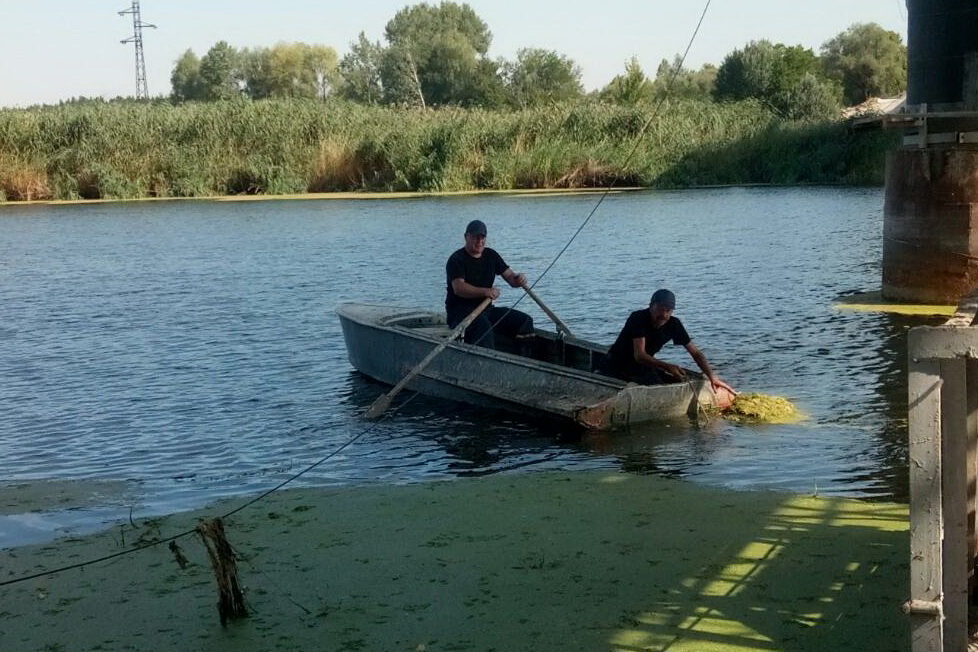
{"x":193,"y":530}
{"x":352,"y":440}
{"x":611,"y":185}
{"x":917,"y":245}
{"x":638,"y":141}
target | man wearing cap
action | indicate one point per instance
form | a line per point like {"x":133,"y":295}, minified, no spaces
{"x":632,"y":356}
{"x":471,"y":272}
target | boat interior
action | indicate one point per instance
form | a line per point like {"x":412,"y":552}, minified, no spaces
{"x":545,"y":346}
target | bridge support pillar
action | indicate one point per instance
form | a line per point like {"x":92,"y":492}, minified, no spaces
{"x":930,"y":224}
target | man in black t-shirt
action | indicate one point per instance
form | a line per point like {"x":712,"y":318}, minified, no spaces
{"x":471,"y":272}
{"x":632,"y":356}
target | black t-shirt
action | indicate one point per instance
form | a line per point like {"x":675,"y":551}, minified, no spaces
{"x":639,"y":324}
{"x":480,"y":272}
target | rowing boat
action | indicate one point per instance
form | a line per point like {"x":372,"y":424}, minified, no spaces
{"x":554,"y":376}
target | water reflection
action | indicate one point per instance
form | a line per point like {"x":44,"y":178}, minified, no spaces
{"x":192,"y":347}
{"x":466,"y":440}
{"x":879,"y":405}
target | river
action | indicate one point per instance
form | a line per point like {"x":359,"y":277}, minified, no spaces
{"x":176,"y":352}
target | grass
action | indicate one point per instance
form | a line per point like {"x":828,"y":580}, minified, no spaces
{"x":128,"y":150}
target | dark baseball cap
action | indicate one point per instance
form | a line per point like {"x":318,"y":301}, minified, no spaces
{"x":664,"y":298}
{"x":476,"y":227}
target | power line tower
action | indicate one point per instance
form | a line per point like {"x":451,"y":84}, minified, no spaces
{"x":142,"y":91}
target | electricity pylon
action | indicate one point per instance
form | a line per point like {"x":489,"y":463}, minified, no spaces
{"x":142,"y":90}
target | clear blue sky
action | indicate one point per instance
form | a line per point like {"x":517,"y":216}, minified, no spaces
{"x":57,"y":49}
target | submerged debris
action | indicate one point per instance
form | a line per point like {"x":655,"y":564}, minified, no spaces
{"x":761,"y":408}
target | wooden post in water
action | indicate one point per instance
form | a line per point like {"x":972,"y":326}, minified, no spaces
{"x":926,"y":527}
{"x":943,"y":425}
{"x":954,"y":492}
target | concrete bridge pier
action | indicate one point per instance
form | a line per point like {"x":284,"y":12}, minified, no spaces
{"x":930,"y":227}
{"x":930,"y":247}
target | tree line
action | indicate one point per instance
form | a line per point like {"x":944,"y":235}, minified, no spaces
{"x":437,"y":55}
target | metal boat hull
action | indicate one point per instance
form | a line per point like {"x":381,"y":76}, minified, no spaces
{"x":385,"y":343}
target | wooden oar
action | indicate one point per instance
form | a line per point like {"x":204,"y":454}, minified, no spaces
{"x":550,"y":313}
{"x":381,"y":404}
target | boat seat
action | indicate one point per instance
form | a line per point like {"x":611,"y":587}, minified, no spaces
{"x":440,"y":331}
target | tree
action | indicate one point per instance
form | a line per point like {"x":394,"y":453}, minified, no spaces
{"x":812,"y":98}
{"x":434,"y":55}
{"x":399,"y":78}
{"x":360,"y":72}
{"x":539,"y":76}
{"x":290,"y":70}
{"x":747,"y":73}
{"x":185,"y":78}
{"x":221,"y":76}
{"x":867,"y":61}
{"x":323,"y":62}
{"x":630,"y":88}
{"x":674,"y":81}
{"x":788,"y":79}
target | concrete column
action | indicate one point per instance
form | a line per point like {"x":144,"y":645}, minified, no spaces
{"x":929,"y":246}
{"x":930,"y":228}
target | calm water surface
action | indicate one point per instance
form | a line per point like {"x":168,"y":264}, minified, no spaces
{"x":190,"y":349}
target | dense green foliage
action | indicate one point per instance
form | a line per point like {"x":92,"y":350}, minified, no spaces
{"x":284,"y":70}
{"x":868,"y":61}
{"x":541,"y":77}
{"x":630,"y":87}
{"x":787,"y":79}
{"x":437,"y":56}
{"x":132,"y":149}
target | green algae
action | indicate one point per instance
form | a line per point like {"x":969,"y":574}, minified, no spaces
{"x":762,"y":408}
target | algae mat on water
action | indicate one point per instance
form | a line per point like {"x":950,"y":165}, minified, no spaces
{"x":762,"y":408}
{"x":874,"y":302}
{"x":586,"y":561}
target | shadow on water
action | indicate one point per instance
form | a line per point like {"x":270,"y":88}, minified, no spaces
{"x":478,"y":440}
{"x":884,"y":402}
{"x":870,"y":404}
{"x":195,"y":350}
{"x":470,"y":440}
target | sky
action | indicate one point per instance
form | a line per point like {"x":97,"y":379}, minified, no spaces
{"x":53,"y":50}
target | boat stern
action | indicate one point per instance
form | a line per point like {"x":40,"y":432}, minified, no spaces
{"x":643,"y":403}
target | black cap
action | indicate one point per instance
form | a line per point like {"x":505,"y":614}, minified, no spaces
{"x":476,"y":227}
{"x":664,"y":298}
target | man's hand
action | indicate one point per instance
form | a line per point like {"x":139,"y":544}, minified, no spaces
{"x":518,"y":280}
{"x":675,"y":370}
{"x":719,"y":384}
{"x":492,"y":293}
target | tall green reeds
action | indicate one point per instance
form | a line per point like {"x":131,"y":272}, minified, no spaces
{"x":132,"y":150}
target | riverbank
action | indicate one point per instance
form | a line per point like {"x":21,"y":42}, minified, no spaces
{"x":538,"y":561}
{"x":128,"y":150}
{"x":360,"y":195}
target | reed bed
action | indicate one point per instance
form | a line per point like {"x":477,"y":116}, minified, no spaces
{"x":125,"y":150}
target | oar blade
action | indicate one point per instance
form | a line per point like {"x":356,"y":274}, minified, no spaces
{"x":379,"y":407}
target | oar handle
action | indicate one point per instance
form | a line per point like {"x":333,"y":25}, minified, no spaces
{"x":383,"y":402}
{"x":550,"y":313}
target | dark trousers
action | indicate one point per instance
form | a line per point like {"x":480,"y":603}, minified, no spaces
{"x":637,"y":373}
{"x":503,"y":320}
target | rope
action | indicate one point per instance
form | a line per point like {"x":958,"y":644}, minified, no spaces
{"x":917,"y":245}
{"x":185,"y":533}
{"x":631,"y":153}
{"x":628,"y":158}
{"x":354,"y":439}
